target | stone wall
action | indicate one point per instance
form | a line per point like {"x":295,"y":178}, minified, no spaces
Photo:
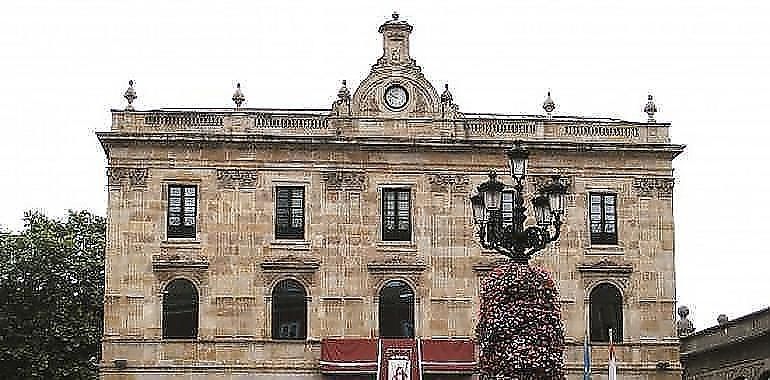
{"x":235,"y":259}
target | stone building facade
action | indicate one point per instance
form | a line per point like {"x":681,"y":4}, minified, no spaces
{"x":246,"y":211}
{"x":732,"y":350}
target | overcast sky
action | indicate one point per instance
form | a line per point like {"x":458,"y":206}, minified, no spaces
{"x":64,"y":64}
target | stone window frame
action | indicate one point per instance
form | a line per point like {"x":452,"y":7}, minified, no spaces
{"x":603,"y":249}
{"x":624,"y":307}
{"x":268,"y":327}
{"x":376,"y":302}
{"x":307,"y":300}
{"x":292,"y":244}
{"x":381,"y":219}
{"x":165,"y":185}
{"x":199,"y":288}
{"x":289,"y":232}
{"x":603,"y":238}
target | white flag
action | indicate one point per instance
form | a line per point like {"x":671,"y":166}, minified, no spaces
{"x":612,"y":367}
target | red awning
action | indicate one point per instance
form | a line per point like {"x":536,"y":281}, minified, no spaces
{"x":448,"y":356}
{"x":349,"y":356}
{"x":359,"y":356}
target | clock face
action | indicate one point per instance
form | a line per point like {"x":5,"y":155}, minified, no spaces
{"x":396,"y":97}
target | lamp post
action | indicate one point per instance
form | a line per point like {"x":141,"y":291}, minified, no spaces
{"x":511,"y":238}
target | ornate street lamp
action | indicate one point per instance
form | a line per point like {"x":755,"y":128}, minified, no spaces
{"x":511,"y":238}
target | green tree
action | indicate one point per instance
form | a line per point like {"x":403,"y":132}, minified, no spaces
{"x":51,"y":292}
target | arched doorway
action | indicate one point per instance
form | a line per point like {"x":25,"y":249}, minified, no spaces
{"x":289,"y":304}
{"x":396,"y":310}
{"x":606,"y":312}
{"x":180,"y":309}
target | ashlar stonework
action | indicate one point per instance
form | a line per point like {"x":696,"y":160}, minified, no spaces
{"x":344,"y":159}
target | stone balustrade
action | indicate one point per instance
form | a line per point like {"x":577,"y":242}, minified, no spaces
{"x":319,"y":123}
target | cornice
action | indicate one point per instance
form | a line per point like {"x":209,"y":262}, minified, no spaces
{"x":108,"y":139}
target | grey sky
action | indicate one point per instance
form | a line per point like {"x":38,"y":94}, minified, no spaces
{"x":64,"y":64}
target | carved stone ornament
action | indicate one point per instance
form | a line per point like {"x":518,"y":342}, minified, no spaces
{"x":539,"y":182}
{"x":441,"y":182}
{"x":179,"y":261}
{"x":291,"y":264}
{"x":370,"y":105}
{"x":134,"y":177}
{"x":396,"y":265}
{"x":651,"y":187}
{"x":236,"y":178}
{"x":301,"y":268}
{"x":606,"y":268}
{"x":341,"y":106}
{"x":347,"y":180}
{"x":421,"y":104}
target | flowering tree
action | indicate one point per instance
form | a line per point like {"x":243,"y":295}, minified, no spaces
{"x":520,"y":331}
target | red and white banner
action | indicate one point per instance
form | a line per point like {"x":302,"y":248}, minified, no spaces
{"x":399,"y":360}
{"x":348,"y":356}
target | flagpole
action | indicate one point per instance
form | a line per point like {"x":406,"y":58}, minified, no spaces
{"x":612,"y":367}
{"x":586,"y":351}
{"x":379,"y":357}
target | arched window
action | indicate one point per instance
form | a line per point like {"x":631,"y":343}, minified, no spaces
{"x":180,"y":309}
{"x":606,"y":312}
{"x":289,"y":310}
{"x":396,"y":310}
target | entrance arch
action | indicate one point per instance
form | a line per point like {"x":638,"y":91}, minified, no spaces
{"x":396,"y":310}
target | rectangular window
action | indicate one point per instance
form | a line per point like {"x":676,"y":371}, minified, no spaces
{"x":182,"y":211}
{"x":602,"y":214}
{"x":290,"y":212}
{"x":396,"y":215}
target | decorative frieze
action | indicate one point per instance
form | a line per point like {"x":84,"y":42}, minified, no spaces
{"x":236,"y":178}
{"x":344,"y":180}
{"x":652,"y":186}
{"x":441,"y":182}
{"x":134,"y":177}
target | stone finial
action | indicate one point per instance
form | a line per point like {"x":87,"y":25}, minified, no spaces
{"x":238,"y":97}
{"x":344,"y":93}
{"x":395,"y":15}
{"x":684,"y":326}
{"x":650,"y":109}
{"x":549,"y":105}
{"x":341,"y":106}
{"x":130,"y":95}
{"x":722,"y":319}
{"x":446,"y":96}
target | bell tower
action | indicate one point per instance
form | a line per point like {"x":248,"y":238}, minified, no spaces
{"x":395,"y":42}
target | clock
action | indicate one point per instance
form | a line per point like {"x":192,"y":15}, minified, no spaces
{"x":396,"y":97}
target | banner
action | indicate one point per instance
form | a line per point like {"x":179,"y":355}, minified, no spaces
{"x":399,"y":360}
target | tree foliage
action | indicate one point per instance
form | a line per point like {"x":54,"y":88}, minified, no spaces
{"x":51,"y":293}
